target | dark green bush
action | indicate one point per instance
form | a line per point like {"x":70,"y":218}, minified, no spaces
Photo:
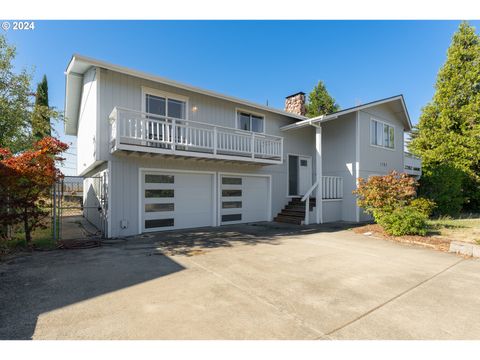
{"x":406,"y":220}
{"x":442,"y":183}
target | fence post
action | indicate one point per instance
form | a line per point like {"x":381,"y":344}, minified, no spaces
{"x":54,"y":214}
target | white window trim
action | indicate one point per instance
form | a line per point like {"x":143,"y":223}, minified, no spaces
{"x":237,"y":110}
{"x":155,"y":92}
{"x":372,"y":119}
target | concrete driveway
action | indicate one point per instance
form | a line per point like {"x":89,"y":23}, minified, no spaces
{"x":242,"y":282}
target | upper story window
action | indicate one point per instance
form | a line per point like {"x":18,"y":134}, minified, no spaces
{"x":382,"y":134}
{"x":165,"y":106}
{"x":250,"y":122}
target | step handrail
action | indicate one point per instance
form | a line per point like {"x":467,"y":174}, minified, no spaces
{"x":309,"y":192}
{"x":306,"y":198}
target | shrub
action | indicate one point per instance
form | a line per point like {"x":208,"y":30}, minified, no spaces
{"x":391,"y":200}
{"x":425,"y":206}
{"x":385,"y":193}
{"x":442,"y":183}
{"x":406,"y":220}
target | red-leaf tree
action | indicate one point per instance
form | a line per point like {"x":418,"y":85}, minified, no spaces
{"x":25,"y":182}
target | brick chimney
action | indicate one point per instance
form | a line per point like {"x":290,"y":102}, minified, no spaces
{"x":295,"y":104}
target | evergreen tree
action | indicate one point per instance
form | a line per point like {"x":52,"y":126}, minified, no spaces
{"x":320,"y":102}
{"x":40,"y":118}
{"x":448,"y":133}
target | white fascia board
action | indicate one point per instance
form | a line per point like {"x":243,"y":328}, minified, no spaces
{"x":323,"y":118}
{"x":76,"y":66}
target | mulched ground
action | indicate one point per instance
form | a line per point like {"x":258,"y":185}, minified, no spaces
{"x":434,"y":242}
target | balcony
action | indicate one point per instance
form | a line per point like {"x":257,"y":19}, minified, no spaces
{"x":412,"y":164}
{"x":148,"y":133}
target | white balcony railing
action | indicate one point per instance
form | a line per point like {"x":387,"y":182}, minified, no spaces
{"x":412,"y":164}
{"x":138,"y":131}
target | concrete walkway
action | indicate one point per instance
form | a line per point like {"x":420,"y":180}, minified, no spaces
{"x":243,"y":282}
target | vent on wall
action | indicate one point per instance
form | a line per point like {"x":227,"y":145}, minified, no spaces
{"x":383,"y":164}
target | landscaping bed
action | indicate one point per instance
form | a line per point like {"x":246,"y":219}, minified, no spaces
{"x":441,"y":233}
{"x":431,"y":241}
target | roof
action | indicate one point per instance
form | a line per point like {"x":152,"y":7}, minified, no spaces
{"x":79,"y":64}
{"x":397,"y":102}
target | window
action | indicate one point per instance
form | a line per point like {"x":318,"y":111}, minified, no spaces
{"x":165,"y":106}
{"x":231,"y":205}
{"x":159,"y":179}
{"x":232,"y":217}
{"x":150,"y":193}
{"x":231,"y":181}
{"x":231,"y":193}
{"x":159,"y":207}
{"x":159,"y":223}
{"x":250,"y":122}
{"x":382,"y":134}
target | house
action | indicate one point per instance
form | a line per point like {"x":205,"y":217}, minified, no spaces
{"x":160,"y":155}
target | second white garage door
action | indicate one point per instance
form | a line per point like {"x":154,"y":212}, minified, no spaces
{"x":176,"y":200}
{"x":244,"y":199}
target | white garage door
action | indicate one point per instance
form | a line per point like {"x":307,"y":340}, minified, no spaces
{"x":244,"y":199}
{"x":175,"y":200}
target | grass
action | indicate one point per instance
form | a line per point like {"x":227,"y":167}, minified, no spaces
{"x":441,"y":231}
{"x":463,"y":228}
{"x":41,"y":239}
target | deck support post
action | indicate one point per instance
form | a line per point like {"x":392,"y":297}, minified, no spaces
{"x":318,"y":167}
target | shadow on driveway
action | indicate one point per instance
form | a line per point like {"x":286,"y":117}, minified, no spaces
{"x":35,"y":283}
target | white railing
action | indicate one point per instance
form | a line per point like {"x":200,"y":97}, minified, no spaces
{"x":412,"y":164}
{"x":167,"y":134}
{"x":332,"y":188}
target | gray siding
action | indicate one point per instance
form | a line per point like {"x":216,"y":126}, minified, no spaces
{"x":126,"y":91}
{"x":375,"y":160}
{"x":338,"y":158}
{"x":125,"y":179}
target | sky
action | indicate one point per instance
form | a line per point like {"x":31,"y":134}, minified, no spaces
{"x":260,"y":61}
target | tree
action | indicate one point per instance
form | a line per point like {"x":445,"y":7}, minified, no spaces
{"x":320,"y":102}
{"x":17,"y":111}
{"x":25,"y":182}
{"x":40,"y":118}
{"x":447,"y":137}
{"x":14,"y":101}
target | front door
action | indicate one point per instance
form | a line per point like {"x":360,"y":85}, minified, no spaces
{"x":304,"y":174}
{"x":299,"y":174}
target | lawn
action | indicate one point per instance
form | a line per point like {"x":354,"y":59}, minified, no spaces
{"x":465,"y":229}
{"x":441,"y":232}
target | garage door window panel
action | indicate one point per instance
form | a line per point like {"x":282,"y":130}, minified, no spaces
{"x":231,"y":217}
{"x":231,"y":205}
{"x":158,"y":223}
{"x":231,"y":181}
{"x":159,"y":207}
{"x":231,"y":192}
{"x":159,"y":193}
{"x":159,"y":179}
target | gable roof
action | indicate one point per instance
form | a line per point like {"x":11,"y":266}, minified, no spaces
{"x":79,"y":64}
{"x":397,"y":102}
